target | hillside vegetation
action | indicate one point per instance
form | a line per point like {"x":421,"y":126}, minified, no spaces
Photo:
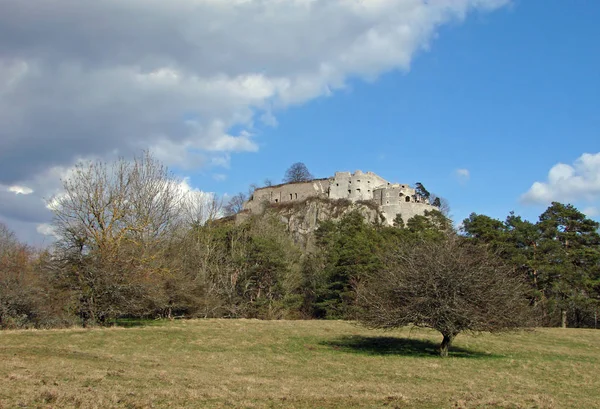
{"x":296,"y":364}
{"x":132,"y":244}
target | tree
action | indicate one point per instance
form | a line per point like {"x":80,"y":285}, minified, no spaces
{"x":113,"y":222}
{"x":421,"y":191}
{"x":431,"y":223}
{"x":398,"y":221}
{"x":27,"y":298}
{"x":298,"y":172}
{"x":560,"y":255}
{"x":570,"y":267}
{"x":484,"y":228}
{"x":449,"y":285}
{"x":235,"y":204}
{"x":441,"y":203}
{"x":349,"y":248}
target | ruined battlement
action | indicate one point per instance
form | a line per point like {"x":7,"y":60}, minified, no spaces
{"x":392,"y":198}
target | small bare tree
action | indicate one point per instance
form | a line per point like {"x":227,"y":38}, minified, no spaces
{"x":298,"y":172}
{"x":235,"y":204}
{"x":449,"y":285}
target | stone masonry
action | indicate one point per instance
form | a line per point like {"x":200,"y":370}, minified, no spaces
{"x":392,"y":198}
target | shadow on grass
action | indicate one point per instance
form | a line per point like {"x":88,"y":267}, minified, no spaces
{"x":398,"y":346}
{"x":136,"y":322}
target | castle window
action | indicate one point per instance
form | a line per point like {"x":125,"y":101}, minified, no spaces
{"x":276,"y":200}
{"x":358,"y":181}
{"x":349,"y":191}
{"x":357,"y":190}
{"x":337,"y":184}
{"x":290,"y":196}
{"x":369,"y":191}
{"x":387,"y":202}
{"x":408,"y":198}
{"x":296,"y":195}
{"x":401,"y":194}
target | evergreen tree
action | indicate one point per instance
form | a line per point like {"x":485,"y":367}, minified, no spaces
{"x":570,"y":270}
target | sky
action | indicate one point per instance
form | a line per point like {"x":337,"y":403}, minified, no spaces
{"x":492,"y":104}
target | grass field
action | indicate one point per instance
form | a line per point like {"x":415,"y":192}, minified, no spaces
{"x":295,"y":364}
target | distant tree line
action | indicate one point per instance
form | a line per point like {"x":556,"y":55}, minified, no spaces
{"x":133,"y":244}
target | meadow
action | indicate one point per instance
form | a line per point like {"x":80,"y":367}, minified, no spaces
{"x":295,"y":364}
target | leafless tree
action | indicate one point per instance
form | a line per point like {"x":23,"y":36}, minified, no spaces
{"x":27,"y":298}
{"x":235,"y":204}
{"x":442,"y":204}
{"x":449,"y":285}
{"x":114,"y":221}
{"x":200,"y":208}
{"x":298,"y":172}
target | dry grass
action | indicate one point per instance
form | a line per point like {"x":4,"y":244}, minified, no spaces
{"x":295,"y":364}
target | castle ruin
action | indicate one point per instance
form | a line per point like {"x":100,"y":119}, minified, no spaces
{"x":391,"y":198}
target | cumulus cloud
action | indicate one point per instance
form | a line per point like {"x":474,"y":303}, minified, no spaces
{"x":568,"y":183}
{"x":97,"y":79}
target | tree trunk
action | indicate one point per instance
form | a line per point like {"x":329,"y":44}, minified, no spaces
{"x":445,"y":345}
{"x":563,"y":319}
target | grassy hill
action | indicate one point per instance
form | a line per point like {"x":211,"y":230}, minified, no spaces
{"x":295,"y":364}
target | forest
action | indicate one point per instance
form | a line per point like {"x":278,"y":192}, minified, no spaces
{"x":130,"y":244}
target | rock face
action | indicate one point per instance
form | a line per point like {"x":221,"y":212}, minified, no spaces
{"x":303,"y":218}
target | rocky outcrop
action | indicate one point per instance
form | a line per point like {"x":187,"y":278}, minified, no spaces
{"x":303,"y":218}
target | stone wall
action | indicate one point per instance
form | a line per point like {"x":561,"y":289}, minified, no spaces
{"x":355,"y":186}
{"x":289,"y":192}
{"x":406,"y":210}
{"x":395,"y":194}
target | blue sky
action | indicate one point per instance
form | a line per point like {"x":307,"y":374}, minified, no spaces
{"x":491,"y":104}
{"x":505,"y":95}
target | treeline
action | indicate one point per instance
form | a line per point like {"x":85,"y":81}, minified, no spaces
{"x":559,"y":255}
{"x":133,"y":243}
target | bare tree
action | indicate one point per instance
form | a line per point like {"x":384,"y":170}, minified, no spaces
{"x":449,"y":285}
{"x":298,"y":172}
{"x":441,"y":203}
{"x":27,"y":298}
{"x":235,"y":204}
{"x":200,"y":208}
{"x":113,"y":221}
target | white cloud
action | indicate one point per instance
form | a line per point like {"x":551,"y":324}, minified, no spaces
{"x":46,"y":229}
{"x":110,"y":77}
{"x":20,"y":190}
{"x":568,"y":183}
{"x":463,"y":175}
